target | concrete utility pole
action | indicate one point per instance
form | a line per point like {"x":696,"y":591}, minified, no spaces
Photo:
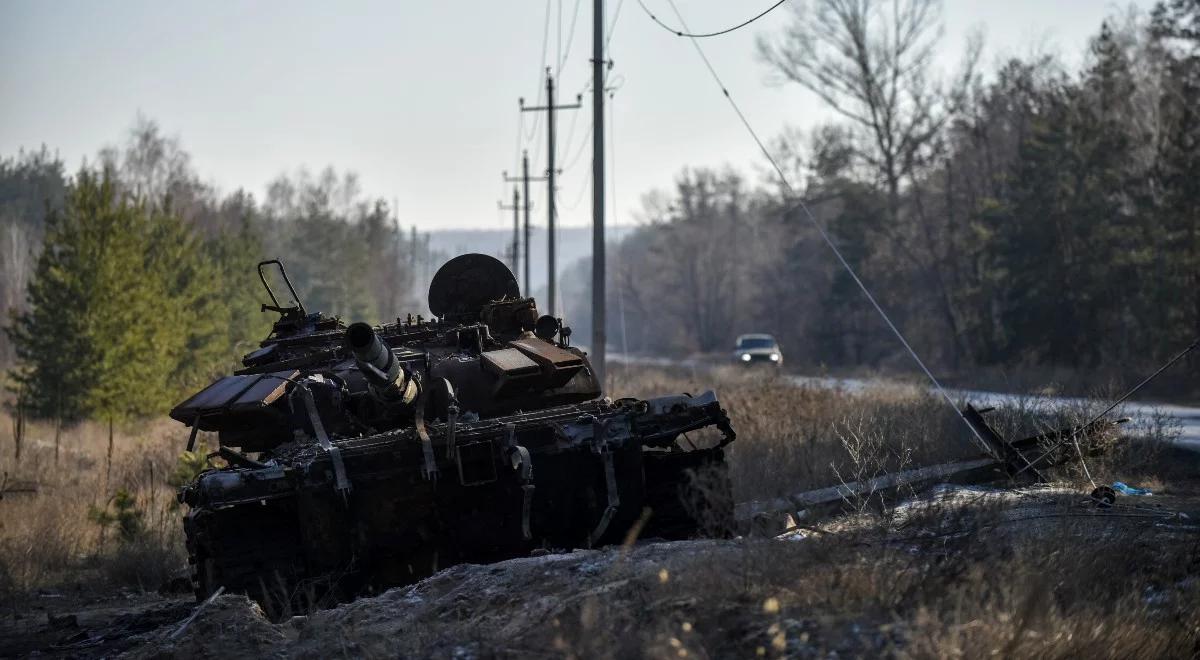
{"x":527,"y":284}
{"x":515,"y":249}
{"x":598,"y":289}
{"x":550,"y":107}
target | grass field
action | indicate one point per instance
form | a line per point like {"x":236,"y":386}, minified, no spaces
{"x":82,"y":517}
{"x":952,"y":580}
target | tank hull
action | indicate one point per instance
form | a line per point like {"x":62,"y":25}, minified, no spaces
{"x":295,"y":534}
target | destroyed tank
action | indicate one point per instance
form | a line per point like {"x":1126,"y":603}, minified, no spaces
{"x":360,"y":457}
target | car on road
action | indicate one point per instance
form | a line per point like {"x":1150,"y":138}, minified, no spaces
{"x":757,"y":349}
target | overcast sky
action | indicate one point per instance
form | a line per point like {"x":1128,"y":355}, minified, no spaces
{"x":420,"y":98}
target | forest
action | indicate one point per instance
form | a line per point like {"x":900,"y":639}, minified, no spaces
{"x":131,"y":281}
{"x":1031,"y":214}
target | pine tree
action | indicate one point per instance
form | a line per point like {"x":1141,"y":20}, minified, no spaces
{"x":235,"y":253}
{"x":1176,"y":28}
{"x":125,"y":309}
{"x":50,"y":336}
{"x":72,"y":339}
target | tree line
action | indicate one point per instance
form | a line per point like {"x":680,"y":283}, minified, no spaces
{"x":131,"y":282}
{"x":1027,"y":215}
{"x":1030,"y":214}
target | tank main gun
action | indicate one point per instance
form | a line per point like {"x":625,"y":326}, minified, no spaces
{"x":388,"y":381}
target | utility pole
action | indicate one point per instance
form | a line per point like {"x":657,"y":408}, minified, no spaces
{"x":515,"y":249}
{"x":598,"y":289}
{"x":550,"y":107}
{"x":525,"y":179}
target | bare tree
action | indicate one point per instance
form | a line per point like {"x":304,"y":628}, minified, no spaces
{"x":871,"y":62}
{"x":155,"y":168}
{"x":684,"y":278}
{"x":16,"y":263}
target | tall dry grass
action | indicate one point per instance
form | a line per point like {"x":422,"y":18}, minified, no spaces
{"x":795,"y":437}
{"x":51,"y":536}
{"x":790,"y":438}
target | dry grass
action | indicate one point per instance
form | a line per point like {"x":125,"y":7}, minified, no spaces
{"x":50,"y":539}
{"x":794,"y":437}
{"x":1075,"y":587}
{"x":951,"y":584}
{"x":962,"y":582}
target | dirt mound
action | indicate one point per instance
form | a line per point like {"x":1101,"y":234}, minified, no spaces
{"x":231,"y":626}
{"x":519,"y":607}
{"x":515,"y":608}
{"x":924,"y":577}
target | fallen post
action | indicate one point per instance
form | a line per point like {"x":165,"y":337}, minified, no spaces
{"x":821,"y":502}
{"x":767,"y":517}
{"x":196,"y":612}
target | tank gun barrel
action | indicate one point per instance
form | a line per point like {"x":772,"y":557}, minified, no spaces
{"x":379,"y":365}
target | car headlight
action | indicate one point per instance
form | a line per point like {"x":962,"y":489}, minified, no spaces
{"x":745,"y":357}
{"x":774,"y":357}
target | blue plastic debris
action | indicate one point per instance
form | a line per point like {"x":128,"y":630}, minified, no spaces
{"x":1126,"y":489}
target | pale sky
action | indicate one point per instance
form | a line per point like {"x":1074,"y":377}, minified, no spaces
{"x":420,"y":98}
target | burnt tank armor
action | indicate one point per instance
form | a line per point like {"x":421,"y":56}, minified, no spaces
{"x":360,"y":458}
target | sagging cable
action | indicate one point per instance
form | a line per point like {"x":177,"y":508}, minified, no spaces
{"x":987,"y":449}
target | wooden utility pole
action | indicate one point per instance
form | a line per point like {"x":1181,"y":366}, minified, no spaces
{"x":514,"y":249}
{"x":550,"y":107}
{"x":527,"y":283}
{"x":598,"y":288}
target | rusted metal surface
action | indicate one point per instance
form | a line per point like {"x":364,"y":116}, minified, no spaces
{"x":388,"y":452}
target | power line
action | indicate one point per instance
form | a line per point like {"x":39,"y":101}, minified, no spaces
{"x":520,"y":130}
{"x":825,"y":237}
{"x":583,"y":144}
{"x":515,"y":247}
{"x":683,"y":33}
{"x":541,"y":67}
{"x":566,"y":145}
{"x":570,"y":40}
{"x":612,"y":186}
{"x":567,"y":167}
{"x":525,"y":179}
{"x":571,"y":133}
{"x":612,"y":24}
{"x":579,"y":151}
{"x":533,"y":128}
{"x":578,"y":198}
